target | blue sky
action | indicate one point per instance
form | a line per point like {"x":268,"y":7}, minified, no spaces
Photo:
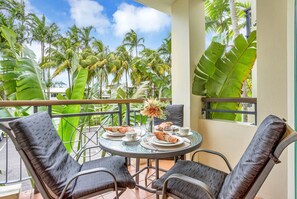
{"x":111,"y":18}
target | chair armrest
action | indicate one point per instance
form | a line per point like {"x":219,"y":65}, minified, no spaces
{"x":214,"y":153}
{"x":84,"y":149}
{"x":90,"y":171}
{"x":188,"y":179}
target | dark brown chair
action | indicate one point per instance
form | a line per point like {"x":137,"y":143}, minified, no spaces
{"x":55,"y":172}
{"x":174,"y":113}
{"x":188,"y":179}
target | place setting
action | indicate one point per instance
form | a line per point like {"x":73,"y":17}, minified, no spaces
{"x":126,"y":134}
{"x":167,"y":137}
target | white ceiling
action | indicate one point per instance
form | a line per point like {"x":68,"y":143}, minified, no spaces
{"x":161,"y":5}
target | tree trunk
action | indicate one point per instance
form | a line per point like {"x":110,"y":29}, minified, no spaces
{"x":126,"y":84}
{"x":42,"y":60}
{"x":235,"y":27}
{"x":234,"y":18}
{"x":49,"y":75}
{"x":69,"y":81}
{"x":101,"y":85}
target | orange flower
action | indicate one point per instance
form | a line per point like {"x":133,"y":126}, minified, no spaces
{"x":153,"y":108}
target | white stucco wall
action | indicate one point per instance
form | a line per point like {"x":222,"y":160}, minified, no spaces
{"x":188,"y":44}
{"x":274,"y":80}
{"x":229,"y":138}
{"x":275,"y":93}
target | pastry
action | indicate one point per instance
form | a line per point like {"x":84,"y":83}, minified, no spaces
{"x":165,"y":137}
{"x":164,"y":126}
{"x":119,"y":129}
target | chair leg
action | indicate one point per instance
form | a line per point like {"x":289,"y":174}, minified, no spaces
{"x":147,"y":171}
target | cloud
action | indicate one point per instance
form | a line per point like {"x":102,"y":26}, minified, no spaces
{"x":89,"y":13}
{"x":141,"y":19}
{"x":35,"y":47}
{"x":29,"y":8}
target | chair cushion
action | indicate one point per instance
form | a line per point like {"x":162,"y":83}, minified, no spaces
{"x":38,"y":138}
{"x":96,"y":182}
{"x":174,"y":114}
{"x":254,"y":159}
{"x":212,"y":177}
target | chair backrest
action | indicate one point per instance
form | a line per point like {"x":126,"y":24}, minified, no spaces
{"x":43,"y":152}
{"x":174,"y":113}
{"x":271,"y":138}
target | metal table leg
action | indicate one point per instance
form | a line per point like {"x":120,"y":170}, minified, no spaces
{"x":137,"y":169}
{"x":157,"y":174}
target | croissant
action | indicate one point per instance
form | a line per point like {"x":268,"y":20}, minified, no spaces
{"x":165,"y":137}
{"x":164,"y":125}
{"x":119,"y":129}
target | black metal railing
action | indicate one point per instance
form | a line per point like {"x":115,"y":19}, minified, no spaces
{"x":92,"y":120}
{"x":207,"y":109}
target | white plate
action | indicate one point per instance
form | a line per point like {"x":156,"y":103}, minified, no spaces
{"x":173,"y":127}
{"x":158,"y":142}
{"x":126,"y":140}
{"x":115,"y":134}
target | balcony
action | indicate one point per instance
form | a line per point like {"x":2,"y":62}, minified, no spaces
{"x":115,"y":112}
{"x":274,"y":88}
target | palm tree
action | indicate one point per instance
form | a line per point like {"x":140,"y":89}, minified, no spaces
{"x":120,"y":66}
{"x":165,"y":50}
{"x":52,"y":36}
{"x":85,"y":36}
{"x":133,"y":42}
{"x":72,"y":34}
{"x":158,"y":70}
{"x":15,"y":17}
{"x":39,"y":31}
{"x":66,"y":58}
{"x":100,"y":65}
{"x":225,"y":18}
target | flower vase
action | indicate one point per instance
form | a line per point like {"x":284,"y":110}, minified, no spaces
{"x":151,"y":126}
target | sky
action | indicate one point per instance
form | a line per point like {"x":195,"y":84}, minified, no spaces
{"x":110,"y":18}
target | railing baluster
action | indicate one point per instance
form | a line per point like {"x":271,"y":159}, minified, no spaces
{"x":6,"y":163}
{"x":128,"y":114}
{"x":120,"y":114}
{"x":208,"y":110}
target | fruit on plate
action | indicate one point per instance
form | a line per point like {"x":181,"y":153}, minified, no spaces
{"x":119,"y":129}
{"x":164,"y":126}
{"x":165,"y":137}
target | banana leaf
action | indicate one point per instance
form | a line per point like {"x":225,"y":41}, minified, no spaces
{"x":221,"y":75}
{"x":21,"y":80}
{"x":68,"y":126}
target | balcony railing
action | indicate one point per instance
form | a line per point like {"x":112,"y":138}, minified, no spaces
{"x":93,"y":115}
{"x":249,"y":108}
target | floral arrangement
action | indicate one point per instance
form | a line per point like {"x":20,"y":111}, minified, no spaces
{"x":153,"y":108}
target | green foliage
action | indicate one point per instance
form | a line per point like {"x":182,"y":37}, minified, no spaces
{"x":221,"y":74}
{"x":21,"y":80}
{"x":68,"y":125}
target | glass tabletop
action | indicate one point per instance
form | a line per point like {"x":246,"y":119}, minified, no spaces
{"x":136,"y":150}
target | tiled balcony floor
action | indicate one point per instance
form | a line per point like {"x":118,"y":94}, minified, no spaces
{"x":128,"y":194}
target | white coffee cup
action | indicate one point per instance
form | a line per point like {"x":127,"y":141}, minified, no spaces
{"x":131,"y":136}
{"x":184,"y":131}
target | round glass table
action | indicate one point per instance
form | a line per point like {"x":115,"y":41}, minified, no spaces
{"x":138,"y":151}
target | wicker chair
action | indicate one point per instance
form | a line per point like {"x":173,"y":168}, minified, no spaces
{"x":55,"y":172}
{"x":189,"y":179}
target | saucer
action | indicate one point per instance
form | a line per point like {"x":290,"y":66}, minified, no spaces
{"x":124,"y":139}
{"x":189,"y":134}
